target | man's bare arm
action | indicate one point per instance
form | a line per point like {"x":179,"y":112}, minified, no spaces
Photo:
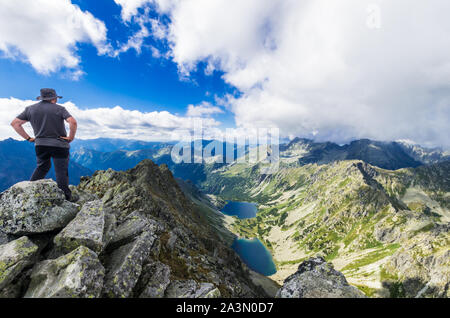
{"x":73,"y":129}
{"x":17,"y":125}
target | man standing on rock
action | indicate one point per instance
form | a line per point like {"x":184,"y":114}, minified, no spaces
{"x":51,"y":141}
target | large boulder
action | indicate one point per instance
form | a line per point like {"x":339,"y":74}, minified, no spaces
{"x":88,"y":228}
{"x":14,"y":257}
{"x":315,"y":278}
{"x":78,"y":274}
{"x":154,"y":280}
{"x":191,"y":289}
{"x":124,"y":266}
{"x":34,"y":207}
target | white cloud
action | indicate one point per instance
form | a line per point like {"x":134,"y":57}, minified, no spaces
{"x":136,"y":41}
{"x":324,"y":68}
{"x":130,"y":7}
{"x":9,"y":109}
{"x":115,"y":122}
{"x":204,"y":109}
{"x":45,"y":33}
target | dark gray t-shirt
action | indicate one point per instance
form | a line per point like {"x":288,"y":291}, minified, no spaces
{"x":47,"y":120}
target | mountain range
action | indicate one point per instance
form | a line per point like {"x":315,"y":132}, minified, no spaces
{"x":379,"y":212}
{"x":18,"y":159}
{"x":386,"y":155}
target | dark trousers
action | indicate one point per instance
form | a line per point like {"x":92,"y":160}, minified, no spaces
{"x":60,"y":157}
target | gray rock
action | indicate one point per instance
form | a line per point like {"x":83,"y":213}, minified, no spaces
{"x":34,"y":207}
{"x":172,"y":239}
{"x":86,"y":229}
{"x":124,"y":266}
{"x":156,"y":250}
{"x":182,"y":289}
{"x":15,"y":288}
{"x":191,"y":289}
{"x":11,"y":291}
{"x":14,"y":257}
{"x":207,"y":290}
{"x":315,"y":278}
{"x":133,"y":225}
{"x":156,"y":277}
{"x":83,"y":197}
{"x":78,"y":274}
{"x":110,"y":227}
{"x":4,"y":238}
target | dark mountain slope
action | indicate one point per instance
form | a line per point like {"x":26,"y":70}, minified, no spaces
{"x":111,"y":144}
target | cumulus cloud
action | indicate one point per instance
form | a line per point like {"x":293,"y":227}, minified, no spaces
{"x":45,"y":33}
{"x":112,"y":122}
{"x":204,"y":109}
{"x":332,"y":70}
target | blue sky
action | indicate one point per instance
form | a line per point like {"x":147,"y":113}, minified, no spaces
{"x":330,"y":71}
{"x":132,"y":80}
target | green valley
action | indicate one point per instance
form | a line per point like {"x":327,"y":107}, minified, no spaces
{"x":386,"y":230}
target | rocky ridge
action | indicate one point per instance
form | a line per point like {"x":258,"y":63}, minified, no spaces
{"x":131,"y":234}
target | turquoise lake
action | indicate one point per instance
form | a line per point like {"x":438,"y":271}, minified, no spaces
{"x":255,"y":255}
{"x":252,"y":252}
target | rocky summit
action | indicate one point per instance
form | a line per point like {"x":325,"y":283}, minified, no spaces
{"x":315,"y":278}
{"x":131,"y":234}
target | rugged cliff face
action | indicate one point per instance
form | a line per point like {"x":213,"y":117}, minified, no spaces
{"x":131,"y":234}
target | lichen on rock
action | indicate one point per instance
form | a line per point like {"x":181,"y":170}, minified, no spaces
{"x":78,"y":274}
{"x":154,"y":280}
{"x":191,"y":289}
{"x":14,"y":257}
{"x":34,"y":207}
{"x":133,"y":225}
{"x":124,"y":266}
{"x":86,"y":229}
